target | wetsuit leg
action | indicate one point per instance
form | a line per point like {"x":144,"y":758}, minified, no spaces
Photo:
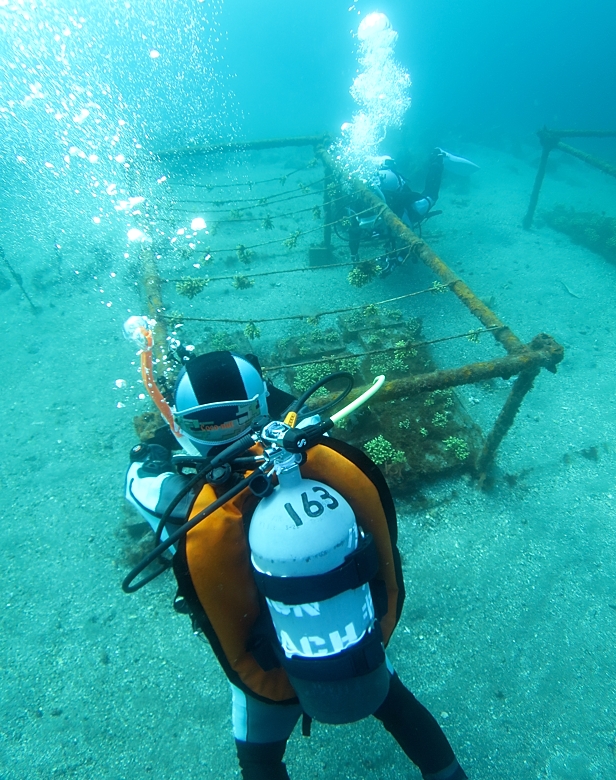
{"x":262,"y":761}
{"x":418,"y":734}
{"x":261,"y":731}
{"x":434,"y":177}
{"x":417,"y":204}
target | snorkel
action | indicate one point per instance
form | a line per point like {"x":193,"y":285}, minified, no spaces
{"x":139,"y":330}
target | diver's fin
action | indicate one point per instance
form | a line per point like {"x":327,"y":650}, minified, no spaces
{"x":458,"y":165}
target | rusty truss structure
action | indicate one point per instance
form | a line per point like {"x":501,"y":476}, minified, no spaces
{"x":551,"y":140}
{"x":524,"y":361}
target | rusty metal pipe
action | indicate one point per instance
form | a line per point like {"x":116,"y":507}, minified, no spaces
{"x":534,"y":196}
{"x":589,"y":159}
{"x":542,"y":352}
{"x":550,"y":139}
{"x":327,"y":208}
{"x":246,"y":146}
{"x":584,"y":133}
{"x":522,"y":385}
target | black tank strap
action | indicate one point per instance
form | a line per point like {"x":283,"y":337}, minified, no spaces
{"x":358,"y":568}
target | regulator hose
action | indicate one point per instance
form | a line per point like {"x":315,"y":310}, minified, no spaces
{"x":377,"y":383}
{"x":127,"y":585}
{"x":293,"y":411}
{"x":236,"y":448}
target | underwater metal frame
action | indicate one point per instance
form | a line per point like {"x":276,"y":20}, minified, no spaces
{"x":550,"y":140}
{"x":523,"y":361}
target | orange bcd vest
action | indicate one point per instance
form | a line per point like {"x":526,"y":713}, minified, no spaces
{"x":218,"y":559}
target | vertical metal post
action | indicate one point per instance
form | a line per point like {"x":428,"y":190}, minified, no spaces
{"x":548,"y":142}
{"x":19,"y":281}
{"x":327,"y":208}
{"x":504,"y":421}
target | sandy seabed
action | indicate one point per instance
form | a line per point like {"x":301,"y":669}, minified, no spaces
{"x":509,"y":627}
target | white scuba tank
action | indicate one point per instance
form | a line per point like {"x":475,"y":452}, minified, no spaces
{"x":304,"y":529}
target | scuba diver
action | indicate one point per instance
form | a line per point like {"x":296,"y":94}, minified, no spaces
{"x":284,"y":551}
{"x":411,"y":207}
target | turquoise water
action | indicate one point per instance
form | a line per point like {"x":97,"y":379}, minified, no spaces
{"x":509,"y":624}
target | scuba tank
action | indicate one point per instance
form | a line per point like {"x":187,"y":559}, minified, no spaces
{"x":313,"y":565}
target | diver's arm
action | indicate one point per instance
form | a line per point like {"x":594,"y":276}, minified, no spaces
{"x":379,"y":193}
{"x":151,"y":486}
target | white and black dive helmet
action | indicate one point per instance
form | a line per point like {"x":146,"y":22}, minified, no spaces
{"x":218,"y":396}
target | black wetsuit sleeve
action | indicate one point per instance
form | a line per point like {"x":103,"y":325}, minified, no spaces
{"x":278,"y":401}
{"x":433,"y":179}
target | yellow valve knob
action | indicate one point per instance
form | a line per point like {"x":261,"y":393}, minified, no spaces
{"x":291,"y":419}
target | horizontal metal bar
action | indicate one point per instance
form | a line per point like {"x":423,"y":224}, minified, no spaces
{"x":584,"y":133}
{"x":245,"y":146}
{"x":589,"y":159}
{"x":542,"y":352}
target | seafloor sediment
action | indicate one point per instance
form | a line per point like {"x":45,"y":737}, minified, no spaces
{"x":510,"y":620}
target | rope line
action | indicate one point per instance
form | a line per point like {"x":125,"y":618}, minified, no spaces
{"x":256,"y":202}
{"x":407,"y":346}
{"x":298,"y":234}
{"x":260,"y":219}
{"x":288,"y":270}
{"x":272,"y":216}
{"x":252,"y":184}
{"x":312,"y":316}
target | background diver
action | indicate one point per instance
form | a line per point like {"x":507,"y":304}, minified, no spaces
{"x":412,"y":207}
{"x":219,"y":398}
